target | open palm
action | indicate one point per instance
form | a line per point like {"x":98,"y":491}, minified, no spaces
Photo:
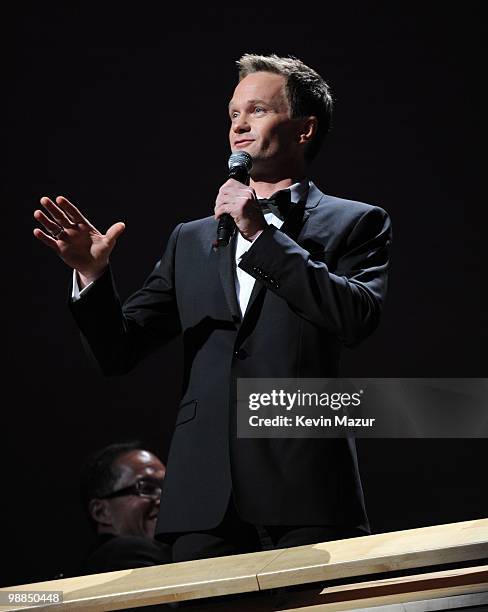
{"x":77,"y":242}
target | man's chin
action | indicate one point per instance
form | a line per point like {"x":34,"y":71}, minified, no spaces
{"x":242,"y":147}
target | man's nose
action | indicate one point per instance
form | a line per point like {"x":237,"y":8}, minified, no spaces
{"x":241,"y":125}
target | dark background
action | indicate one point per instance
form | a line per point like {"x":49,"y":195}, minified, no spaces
{"x":124,"y":112}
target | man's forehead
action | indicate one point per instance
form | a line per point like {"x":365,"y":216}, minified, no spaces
{"x":137,"y":463}
{"x":235,"y":101}
{"x":259,"y":87}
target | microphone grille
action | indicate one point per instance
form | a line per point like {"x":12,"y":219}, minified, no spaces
{"x":240,"y":158}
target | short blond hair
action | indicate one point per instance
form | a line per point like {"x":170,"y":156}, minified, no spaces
{"x":307,"y":92}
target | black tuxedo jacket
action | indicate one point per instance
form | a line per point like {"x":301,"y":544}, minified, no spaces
{"x":320,"y":283}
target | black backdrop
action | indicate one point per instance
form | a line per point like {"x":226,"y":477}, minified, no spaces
{"x":124,"y":112}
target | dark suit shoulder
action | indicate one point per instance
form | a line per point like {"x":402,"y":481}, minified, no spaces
{"x":199,"y":225}
{"x":126,"y":552}
{"x":352,"y":209}
{"x":199,"y":230}
{"x":335,"y":220}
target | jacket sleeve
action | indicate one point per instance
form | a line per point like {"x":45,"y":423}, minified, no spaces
{"x":346,"y":302}
{"x":118,"y":337}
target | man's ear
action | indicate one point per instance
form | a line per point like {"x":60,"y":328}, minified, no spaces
{"x":100,"y":512}
{"x":308,"y":129}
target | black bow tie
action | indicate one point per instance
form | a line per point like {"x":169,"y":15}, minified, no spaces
{"x":279,"y":204}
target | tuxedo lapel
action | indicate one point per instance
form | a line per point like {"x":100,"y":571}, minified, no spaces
{"x":295,"y":221}
{"x":257,"y":288}
{"x":292,"y":227}
{"x":226,"y":257}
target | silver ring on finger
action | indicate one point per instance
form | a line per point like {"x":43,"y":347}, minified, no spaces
{"x":57,"y":235}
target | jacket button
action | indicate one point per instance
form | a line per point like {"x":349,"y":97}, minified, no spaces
{"x":240,"y":354}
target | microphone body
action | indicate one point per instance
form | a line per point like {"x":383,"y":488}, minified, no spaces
{"x":240,"y":165}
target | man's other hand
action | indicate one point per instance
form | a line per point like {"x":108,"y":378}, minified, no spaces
{"x":77,"y":242}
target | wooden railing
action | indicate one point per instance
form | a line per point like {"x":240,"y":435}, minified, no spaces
{"x":300,"y":578}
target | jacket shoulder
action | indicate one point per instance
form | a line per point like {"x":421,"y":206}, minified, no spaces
{"x":339,"y":217}
{"x":348,"y":208}
{"x":197,"y":231}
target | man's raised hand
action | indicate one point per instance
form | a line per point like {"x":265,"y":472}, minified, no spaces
{"x":79,"y":244}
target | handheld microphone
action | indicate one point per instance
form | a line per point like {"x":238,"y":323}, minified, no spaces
{"x":240,"y":164}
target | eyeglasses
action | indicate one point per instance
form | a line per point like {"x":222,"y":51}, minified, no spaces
{"x":142,"y":488}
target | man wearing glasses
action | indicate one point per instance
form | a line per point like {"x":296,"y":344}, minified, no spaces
{"x":121,"y":488}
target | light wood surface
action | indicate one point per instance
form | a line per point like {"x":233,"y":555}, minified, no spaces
{"x":453,"y":577}
{"x":151,"y":585}
{"x":383,"y":552}
{"x":270,"y":569}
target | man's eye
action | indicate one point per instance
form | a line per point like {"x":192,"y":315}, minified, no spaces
{"x":233,"y":115}
{"x":259,"y":109}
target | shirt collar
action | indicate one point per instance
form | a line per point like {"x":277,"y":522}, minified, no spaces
{"x":299,"y":191}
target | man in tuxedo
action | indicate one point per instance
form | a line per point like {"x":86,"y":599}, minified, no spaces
{"x":298,"y":280}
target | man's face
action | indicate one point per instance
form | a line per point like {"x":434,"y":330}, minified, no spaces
{"x":133,"y":514}
{"x":260,"y":121}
